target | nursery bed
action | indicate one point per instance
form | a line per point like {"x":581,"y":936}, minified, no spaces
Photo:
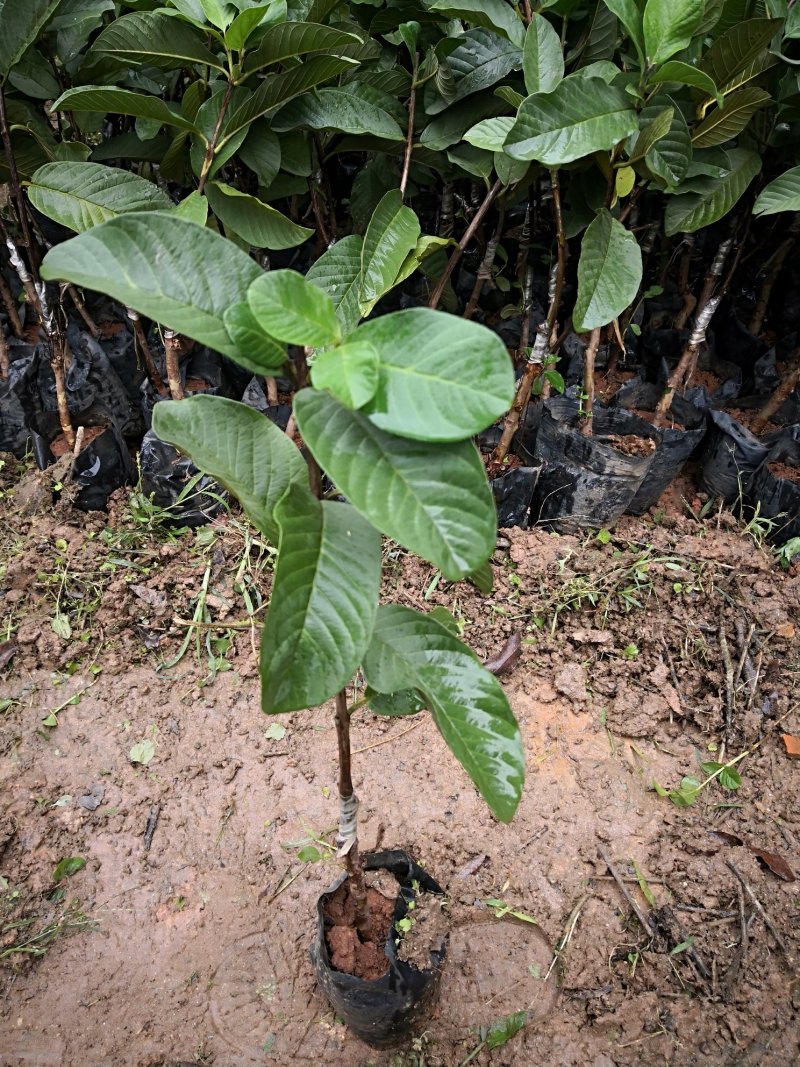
{"x":196,"y":949}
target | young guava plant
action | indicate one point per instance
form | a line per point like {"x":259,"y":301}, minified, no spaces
{"x":386,"y":411}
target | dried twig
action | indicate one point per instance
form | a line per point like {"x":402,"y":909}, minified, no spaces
{"x":152,"y":823}
{"x":729,"y":696}
{"x":645,"y":921}
{"x":762,"y":912}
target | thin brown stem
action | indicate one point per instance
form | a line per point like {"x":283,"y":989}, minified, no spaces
{"x":271,"y":387}
{"x":484,"y":275}
{"x":14,"y":320}
{"x":172,"y":356}
{"x":765,"y":292}
{"x":689,"y":300}
{"x":140,"y":342}
{"x":469,"y":233}
{"x":348,"y":821}
{"x":80,"y":307}
{"x":5,"y":364}
{"x":211,"y":147}
{"x":587,"y":400}
{"x":59,"y":360}
{"x":16,"y":188}
{"x":688,"y":361}
{"x":301,"y":371}
{"x":544,"y":332}
{"x":790,"y":382}
{"x":412,"y":104}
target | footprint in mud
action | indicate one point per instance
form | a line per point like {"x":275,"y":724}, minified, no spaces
{"x":492,"y":970}
{"x":263,"y":1001}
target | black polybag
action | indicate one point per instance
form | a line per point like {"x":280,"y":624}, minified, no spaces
{"x":778,"y":498}
{"x":382,"y":1011}
{"x":585,"y":481}
{"x":15,"y":435}
{"x":730,"y":457}
{"x":513,"y":493}
{"x":101,"y":467}
{"x":166,"y":475}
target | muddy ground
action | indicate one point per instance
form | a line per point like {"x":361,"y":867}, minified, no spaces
{"x":195,"y":951}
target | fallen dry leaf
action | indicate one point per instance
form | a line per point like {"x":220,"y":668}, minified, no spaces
{"x":507,"y":657}
{"x":777,"y":864}
{"x":787,"y":631}
{"x":792,"y":746}
{"x":474,"y":864}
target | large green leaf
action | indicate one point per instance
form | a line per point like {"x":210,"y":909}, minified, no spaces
{"x":239,"y":447}
{"x":651,"y":131}
{"x":260,"y":224}
{"x":712,"y":198}
{"x":726,"y":122}
{"x":609,"y":273}
{"x":490,"y":14}
{"x":579,"y":117}
{"x":490,"y":134}
{"x":736,"y":49}
{"x":82,"y":195}
{"x":349,"y":371}
{"x":154,"y":39}
{"x":352,"y":109}
{"x":20,"y":22}
{"x":669,"y":157}
{"x":279,"y":89}
{"x":176,"y":272}
{"x":413,"y":651}
{"x":261,"y":152}
{"x":669,"y":26}
{"x":391,"y":234}
{"x":292,"y":309}
{"x":33,"y":76}
{"x":435,"y":502}
{"x":324,"y":599}
{"x":121,"y":102}
{"x":338,"y":273}
{"x":684,"y":74}
{"x":289,"y":39}
{"x":481,"y":59}
{"x":542,"y":57}
{"x":442,"y":378}
{"x":449,"y":127}
{"x":782,"y":194}
{"x":256,"y":350}
{"x":629,"y":14}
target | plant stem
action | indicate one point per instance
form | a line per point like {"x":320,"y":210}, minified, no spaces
{"x":469,"y":233}
{"x":412,"y":104}
{"x":348,"y":819}
{"x":14,"y":320}
{"x":689,"y":302}
{"x":211,"y":147}
{"x":785,"y":247}
{"x":787,"y":386}
{"x":544,"y":332}
{"x":487,"y":263}
{"x":5,"y":365}
{"x":587,"y":401}
{"x":686,"y":364}
{"x":140,"y":341}
{"x":172,"y":351}
{"x":16,"y":188}
{"x":314,"y":472}
{"x":80,"y":307}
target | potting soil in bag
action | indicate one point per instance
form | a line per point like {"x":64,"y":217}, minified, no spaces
{"x":730,"y":457}
{"x":382,"y":1011}
{"x":677,"y":444}
{"x":588,"y":481}
{"x":102,"y":465}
